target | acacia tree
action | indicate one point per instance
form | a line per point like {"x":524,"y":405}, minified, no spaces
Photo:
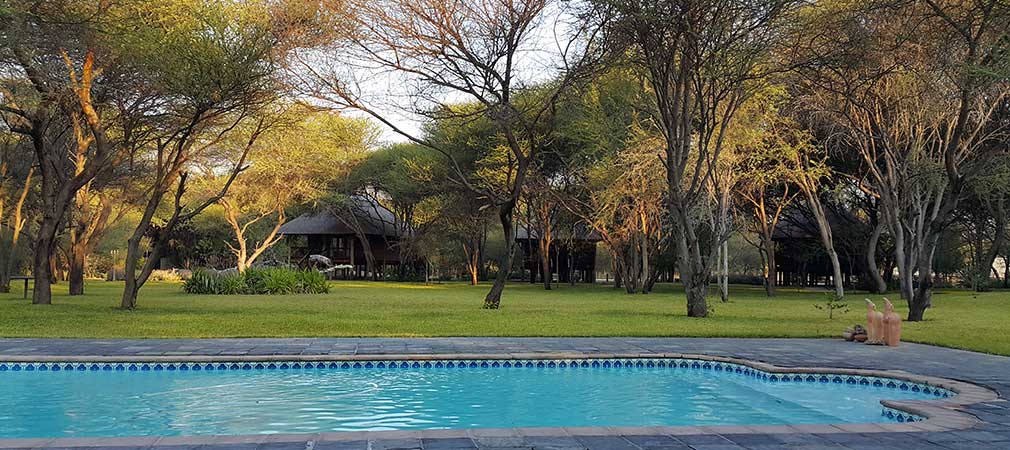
{"x":983,"y":218}
{"x":627,"y":211}
{"x":540,"y":220}
{"x":98,"y":205}
{"x":764,"y":181}
{"x":809,"y":169}
{"x":48,"y":55}
{"x":282,"y":175}
{"x":451,"y":50}
{"x":466,"y":221}
{"x":703,"y":59}
{"x":915,"y":100}
{"x":14,"y":164}
{"x":215,"y":83}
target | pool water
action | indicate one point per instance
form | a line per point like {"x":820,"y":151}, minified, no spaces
{"x":112,"y":403}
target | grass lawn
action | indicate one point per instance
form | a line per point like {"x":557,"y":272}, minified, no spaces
{"x":958,"y":319}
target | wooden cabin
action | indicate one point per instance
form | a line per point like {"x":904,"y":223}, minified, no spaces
{"x":334,"y":237}
{"x":800,"y":258}
{"x":573,"y":255}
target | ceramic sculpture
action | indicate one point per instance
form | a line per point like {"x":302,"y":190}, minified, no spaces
{"x":874,"y":324}
{"x":892,"y":325}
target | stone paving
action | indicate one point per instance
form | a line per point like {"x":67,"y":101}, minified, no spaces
{"x":993,"y":372}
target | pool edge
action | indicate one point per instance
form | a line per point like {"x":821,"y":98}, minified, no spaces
{"x":940,"y":414}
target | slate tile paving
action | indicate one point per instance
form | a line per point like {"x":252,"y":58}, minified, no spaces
{"x":986,"y":370}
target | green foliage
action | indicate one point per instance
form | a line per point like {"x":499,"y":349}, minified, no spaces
{"x":269,"y":281}
{"x":834,"y":303}
{"x":166,"y":275}
{"x":231,"y":285}
{"x":205,"y":55}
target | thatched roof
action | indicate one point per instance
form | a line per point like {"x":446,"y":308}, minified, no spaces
{"x":374,"y":219}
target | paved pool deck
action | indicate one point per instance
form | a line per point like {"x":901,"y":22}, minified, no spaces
{"x":989,"y":427}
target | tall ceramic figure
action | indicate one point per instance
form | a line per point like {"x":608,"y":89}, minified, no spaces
{"x":874,"y":324}
{"x":892,"y":325}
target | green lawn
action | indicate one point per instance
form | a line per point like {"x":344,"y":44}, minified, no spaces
{"x":958,"y":319}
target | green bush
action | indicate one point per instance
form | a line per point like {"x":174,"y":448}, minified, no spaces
{"x":202,"y":282}
{"x":273,"y":281}
{"x":310,"y":281}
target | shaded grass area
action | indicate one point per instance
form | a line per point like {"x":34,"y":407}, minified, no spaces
{"x":959,"y":319}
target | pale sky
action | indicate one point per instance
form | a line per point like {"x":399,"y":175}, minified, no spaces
{"x":391,"y":93}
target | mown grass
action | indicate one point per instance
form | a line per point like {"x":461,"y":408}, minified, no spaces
{"x":959,"y":319}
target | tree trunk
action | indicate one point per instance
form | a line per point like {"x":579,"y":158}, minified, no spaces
{"x":130,"y":291}
{"x":694,"y":274}
{"x":1006,"y":271}
{"x":696,"y":288}
{"x":988,"y":258}
{"x":836,"y":270}
{"x":493,"y":298}
{"x":771,"y":272}
{"x":45,"y":247}
{"x":922,"y":296}
{"x":824,"y":227}
{"x":643,"y":268}
{"x":618,"y":278}
{"x":878,"y":286}
{"x":41,"y":269}
{"x":472,"y":262}
{"x":545,"y":266}
{"x":78,"y":254}
{"x":724,"y":272}
{"x":631,"y":269}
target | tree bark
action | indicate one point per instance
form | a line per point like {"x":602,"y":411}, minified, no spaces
{"x":694,"y":273}
{"x":998,"y":241}
{"x":922,"y":295}
{"x":41,"y":268}
{"x":771,"y":271}
{"x":724,"y":275}
{"x":493,"y":298}
{"x":1006,"y":271}
{"x":76,"y":271}
{"x":545,"y":265}
{"x":824,"y":228}
{"x":878,"y":286}
{"x":472,"y":262}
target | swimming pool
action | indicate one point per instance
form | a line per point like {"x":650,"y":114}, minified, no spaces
{"x":202,"y":398}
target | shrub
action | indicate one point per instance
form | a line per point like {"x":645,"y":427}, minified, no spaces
{"x":170,"y":275}
{"x":257,"y":281}
{"x":202,"y":282}
{"x":311,"y":282}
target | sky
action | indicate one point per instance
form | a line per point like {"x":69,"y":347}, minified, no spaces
{"x":392,"y":95}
